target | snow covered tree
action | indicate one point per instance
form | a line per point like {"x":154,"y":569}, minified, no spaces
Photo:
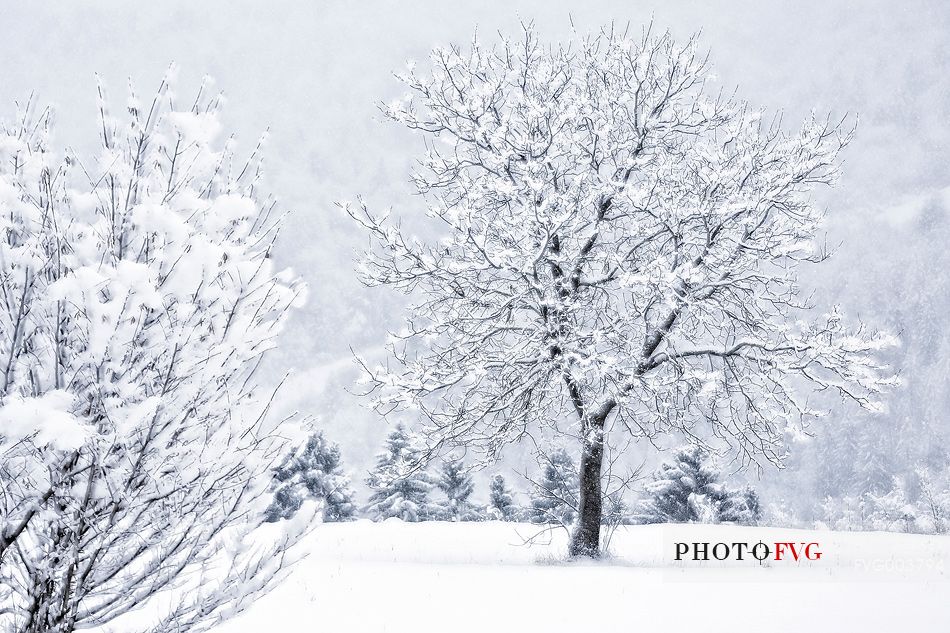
{"x":400,"y":483}
{"x":313,"y":471}
{"x":613,"y":243}
{"x":740,"y":506}
{"x":457,"y":485}
{"x":682,"y":489}
{"x":934,"y":499}
{"x":554,"y":495}
{"x":138,"y":299}
{"x":892,"y":511}
{"x":842,"y":513}
{"x":501,"y":502}
{"x":687,"y":490}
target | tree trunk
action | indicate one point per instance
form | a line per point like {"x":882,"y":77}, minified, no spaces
{"x":586,"y":538}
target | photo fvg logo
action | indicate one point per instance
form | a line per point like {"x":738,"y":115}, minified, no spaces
{"x":788,"y":551}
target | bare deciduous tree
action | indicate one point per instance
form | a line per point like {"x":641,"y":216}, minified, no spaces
{"x":618,"y":245}
{"x":137,"y":298}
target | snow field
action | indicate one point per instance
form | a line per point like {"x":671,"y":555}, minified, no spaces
{"x":400,"y":577}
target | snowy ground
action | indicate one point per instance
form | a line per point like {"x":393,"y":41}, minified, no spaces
{"x":398,"y":577}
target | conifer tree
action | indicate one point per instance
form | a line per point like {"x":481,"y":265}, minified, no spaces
{"x":554,"y":499}
{"x":314,"y":471}
{"x":501,"y":501}
{"x":457,"y":485}
{"x":687,"y":490}
{"x":615,"y":509}
{"x":400,"y":483}
{"x":740,"y":506}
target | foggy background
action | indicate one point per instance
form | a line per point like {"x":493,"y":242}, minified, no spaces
{"x":313,"y":72}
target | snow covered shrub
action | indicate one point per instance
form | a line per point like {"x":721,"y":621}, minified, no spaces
{"x":457,"y":485}
{"x":780,"y":513}
{"x":848,"y":512}
{"x":399,"y":482}
{"x":501,"y":502}
{"x":139,"y":297}
{"x":687,"y":490}
{"x":892,"y":511}
{"x":314,"y":471}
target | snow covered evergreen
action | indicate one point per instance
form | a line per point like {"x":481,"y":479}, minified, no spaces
{"x":686,"y":489}
{"x":501,"y":502}
{"x":314,"y":471}
{"x":554,"y":494}
{"x":457,"y":486}
{"x":400,"y":483}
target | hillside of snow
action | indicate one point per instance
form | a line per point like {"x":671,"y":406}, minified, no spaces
{"x":465,"y":577}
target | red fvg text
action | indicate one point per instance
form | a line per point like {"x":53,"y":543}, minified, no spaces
{"x":761,"y":551}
